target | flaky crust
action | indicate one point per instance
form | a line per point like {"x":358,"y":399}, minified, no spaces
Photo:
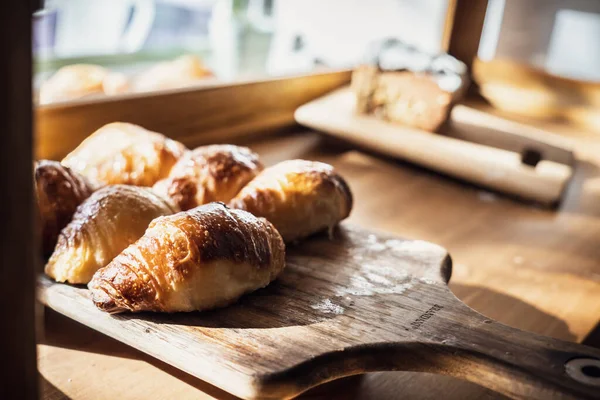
{"x":209,"y":173}
{"x":123,"y":153}
{"x":299,"y":197}
{"x":59,"y":191}
{"x":199,"y":259}
{"x":104,"y":225}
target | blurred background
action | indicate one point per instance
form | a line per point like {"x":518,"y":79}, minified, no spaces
{"x":241,"y":37}
{"x":537,"y":50}
{"x":235,"y":37}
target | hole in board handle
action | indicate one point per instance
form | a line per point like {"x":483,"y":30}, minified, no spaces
{"x":531,"y":157}
{"x":584,"y":370}
{"x":591,"y":370}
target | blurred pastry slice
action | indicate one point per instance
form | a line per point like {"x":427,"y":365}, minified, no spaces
{"x":59,"y":191}
{"x":299,"y":197}
{"x":180,"y":72}
{"x":209,"y":173}
{"x":401,"y":84}
{"x":106,"y":223}
{"x":81,"y":80}
{"x":122,"y":153}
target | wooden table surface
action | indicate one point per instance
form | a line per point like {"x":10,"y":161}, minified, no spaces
{"x":528,"y":267}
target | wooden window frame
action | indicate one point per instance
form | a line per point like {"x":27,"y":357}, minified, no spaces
{"x":17,"y":250}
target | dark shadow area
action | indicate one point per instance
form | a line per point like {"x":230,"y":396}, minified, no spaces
{"x":50,"y":392}
{"x":61,"y":331}
{"x":593,"y":338}
{"x":399,"y":385}
{"x":191,"y":380}
{"x":339,"y":389}
{"x":513,"y":312}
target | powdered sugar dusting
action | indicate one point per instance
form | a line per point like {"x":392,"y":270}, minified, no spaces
{"x":374,"y":279}
{"x":373,"y":244}
{"x":328,"y":307}
{"x":391,"y":274}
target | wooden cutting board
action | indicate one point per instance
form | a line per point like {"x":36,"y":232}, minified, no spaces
{"x":474,"y":146}
{"x":357,"y":302}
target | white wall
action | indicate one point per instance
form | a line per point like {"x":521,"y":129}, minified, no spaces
{"x":338,"y":31}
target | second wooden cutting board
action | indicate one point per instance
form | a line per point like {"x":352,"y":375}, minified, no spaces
{"x":355,"y":303}
{"x":528,"y":163}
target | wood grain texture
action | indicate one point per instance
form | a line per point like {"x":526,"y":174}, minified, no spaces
{"x":196,"y":115}
{"x":19,"y":244}
{"x":355,"y":303}
{"x":496,"y":168}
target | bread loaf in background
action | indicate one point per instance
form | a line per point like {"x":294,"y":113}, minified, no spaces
{"x":400,"y":84}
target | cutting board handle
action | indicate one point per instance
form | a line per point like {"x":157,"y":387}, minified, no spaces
{"x":507,"y":360}
{"x":463,"y":344}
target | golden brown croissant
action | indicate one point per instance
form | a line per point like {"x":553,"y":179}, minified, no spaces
{"x":209,"y":173}
{"x":104,"y":225}
{"x":122,"y":153}
{"x":199,"y":259}
{"x":299,"y":197}
{"x":180,"y":72}
{"x":81,"y":80}
{"x":58,"y":192}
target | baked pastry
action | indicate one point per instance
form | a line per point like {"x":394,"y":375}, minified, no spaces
{"x":180,"y":72}
{"x":400,"y":84}
{"x":58,"y":192}
{"x":115,"y":83}
{"x":299,"y":197}
{"x":80,"y":80}
{"x":104,"y":225}
{"x":122,"y":153}
{"x":209,"y":173}
{"x":199,"y":259}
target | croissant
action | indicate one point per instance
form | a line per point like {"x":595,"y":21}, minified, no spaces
{"x":122,"y":153}
{"x":199,"y":259}
{"x":104,"y":225}
{"x":209,"y":173}
{"x":58,"y":192}
{"x":80,"y":80}
{"x":299,"y":197}
{"x":180,"y":72}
